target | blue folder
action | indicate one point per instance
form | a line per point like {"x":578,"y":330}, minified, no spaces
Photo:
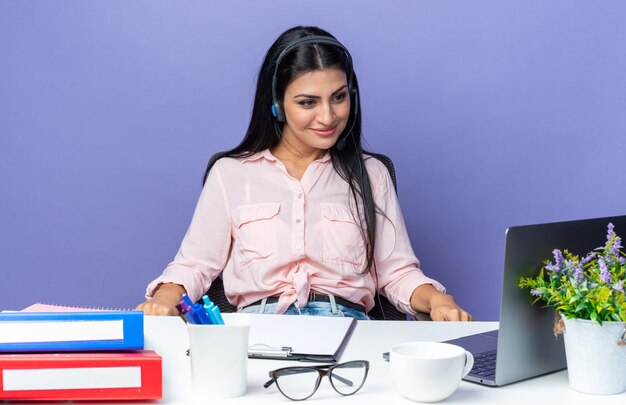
{"x":71,"y":331}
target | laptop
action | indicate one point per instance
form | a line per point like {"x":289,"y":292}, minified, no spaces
{"x":525,"y":345}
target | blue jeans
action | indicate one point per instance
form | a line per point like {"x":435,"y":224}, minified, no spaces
{"x":311,"y":308}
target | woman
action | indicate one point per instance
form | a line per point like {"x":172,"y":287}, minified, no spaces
{"x":296,"y":218}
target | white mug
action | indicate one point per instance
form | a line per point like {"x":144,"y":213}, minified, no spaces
{"x":428,"y":371}
{"x":219,"y":357}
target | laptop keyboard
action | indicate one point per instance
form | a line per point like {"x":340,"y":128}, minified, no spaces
{"x":484,"y":365}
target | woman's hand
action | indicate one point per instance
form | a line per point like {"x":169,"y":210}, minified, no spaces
{"x":164,"y":300}
{"x":440,"y":306}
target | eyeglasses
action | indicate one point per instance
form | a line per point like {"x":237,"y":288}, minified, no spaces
{"x":299,"y":383}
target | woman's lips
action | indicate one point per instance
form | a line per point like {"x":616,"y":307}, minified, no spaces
{"x":324,"y":132}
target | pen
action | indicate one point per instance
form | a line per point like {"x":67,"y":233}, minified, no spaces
{"x":182,"y":313}
{"x":213,"y":311}
{"x":218,"y":315}
{"x":188,"y":312}
{"x":269,"y":352}
{"x":200,"y":313}
{"x":187,"y":300}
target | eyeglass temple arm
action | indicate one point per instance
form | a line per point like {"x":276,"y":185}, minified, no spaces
{"x":345,"y":380}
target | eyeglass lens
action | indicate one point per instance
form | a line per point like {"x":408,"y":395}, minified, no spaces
{"x":300,"y":383}
{"x":348,"y":378}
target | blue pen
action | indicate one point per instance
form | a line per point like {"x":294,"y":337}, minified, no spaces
{"x":200,"y":313}
{"x":218,"y":315}
{"x":187,"y":300}
{"x":188,"y":311}
{"x":209,"y":311}
{"x":213,"y":311}
{"x":187,"y":305}
{"x":188,"y":317}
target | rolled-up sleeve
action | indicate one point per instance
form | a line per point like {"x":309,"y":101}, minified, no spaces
{"x":397,"y":267}
{"x":205,"y":248}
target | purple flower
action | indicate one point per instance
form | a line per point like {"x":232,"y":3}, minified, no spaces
{"x":552,"y":267}
{"x":604,"y":271}
{"x":556,"y":267}
{"x":578,"y":273}
{"x":619,"y":286}
{"x":536,"y":292}
{"x":610,"y":231}
{"x":558,"y":257}
{"x":622,"y":260}
{"x":616,"y":246}
{"x":588,"y":258}
{"x":570,"y":266}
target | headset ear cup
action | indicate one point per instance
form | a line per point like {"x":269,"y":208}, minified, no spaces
{"x":277,"y":112}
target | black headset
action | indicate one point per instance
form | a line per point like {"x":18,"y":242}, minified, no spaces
{"x":277,"y":108}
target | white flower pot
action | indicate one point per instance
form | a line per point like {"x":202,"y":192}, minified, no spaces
{"x":596,"y":363}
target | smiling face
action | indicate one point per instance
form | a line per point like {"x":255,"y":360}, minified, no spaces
{"x":317,"y":107}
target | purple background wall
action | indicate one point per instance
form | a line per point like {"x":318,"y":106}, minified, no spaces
{"x":496,"y":113}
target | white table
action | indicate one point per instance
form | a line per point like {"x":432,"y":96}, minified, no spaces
{"x":168,"y":336}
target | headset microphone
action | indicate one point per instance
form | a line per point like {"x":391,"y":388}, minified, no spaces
{"x":341,"y":144}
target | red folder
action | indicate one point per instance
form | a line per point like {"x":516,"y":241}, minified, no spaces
{"x":81,"y":376}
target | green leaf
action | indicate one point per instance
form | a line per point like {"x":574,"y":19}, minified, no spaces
{"x":580,"y":307}
{"x":575,"y":298}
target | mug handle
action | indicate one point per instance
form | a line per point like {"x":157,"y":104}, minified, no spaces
{"x":469,"y":363}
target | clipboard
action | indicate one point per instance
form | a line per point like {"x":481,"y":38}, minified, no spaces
{"x":319,"y":339}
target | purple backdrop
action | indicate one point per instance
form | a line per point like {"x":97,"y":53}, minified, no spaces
{"x":496,"y":113}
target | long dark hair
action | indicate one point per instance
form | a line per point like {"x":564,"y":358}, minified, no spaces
{"x":264,"y":132}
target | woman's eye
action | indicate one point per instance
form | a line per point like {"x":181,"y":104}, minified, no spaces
{"x":307,"y":103}
{"x":341,"y":96}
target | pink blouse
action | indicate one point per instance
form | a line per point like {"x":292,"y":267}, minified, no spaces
{"x":270,"y":234}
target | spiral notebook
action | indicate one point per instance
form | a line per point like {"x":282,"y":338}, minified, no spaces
{"x":39,"y":307}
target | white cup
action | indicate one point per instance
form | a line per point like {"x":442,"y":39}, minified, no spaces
{"x":219,"y":357}
{"x":428,"y":371}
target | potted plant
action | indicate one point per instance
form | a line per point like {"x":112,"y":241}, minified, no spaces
{"x":588,"y":297}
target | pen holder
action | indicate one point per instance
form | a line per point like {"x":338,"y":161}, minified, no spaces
{"x":219,"y":357}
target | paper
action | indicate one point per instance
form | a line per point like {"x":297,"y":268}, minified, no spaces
{"x":39,"y":307}
{"x":66,"y":331}
{"x":306,"y":335}
{"x":71,"y":378}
